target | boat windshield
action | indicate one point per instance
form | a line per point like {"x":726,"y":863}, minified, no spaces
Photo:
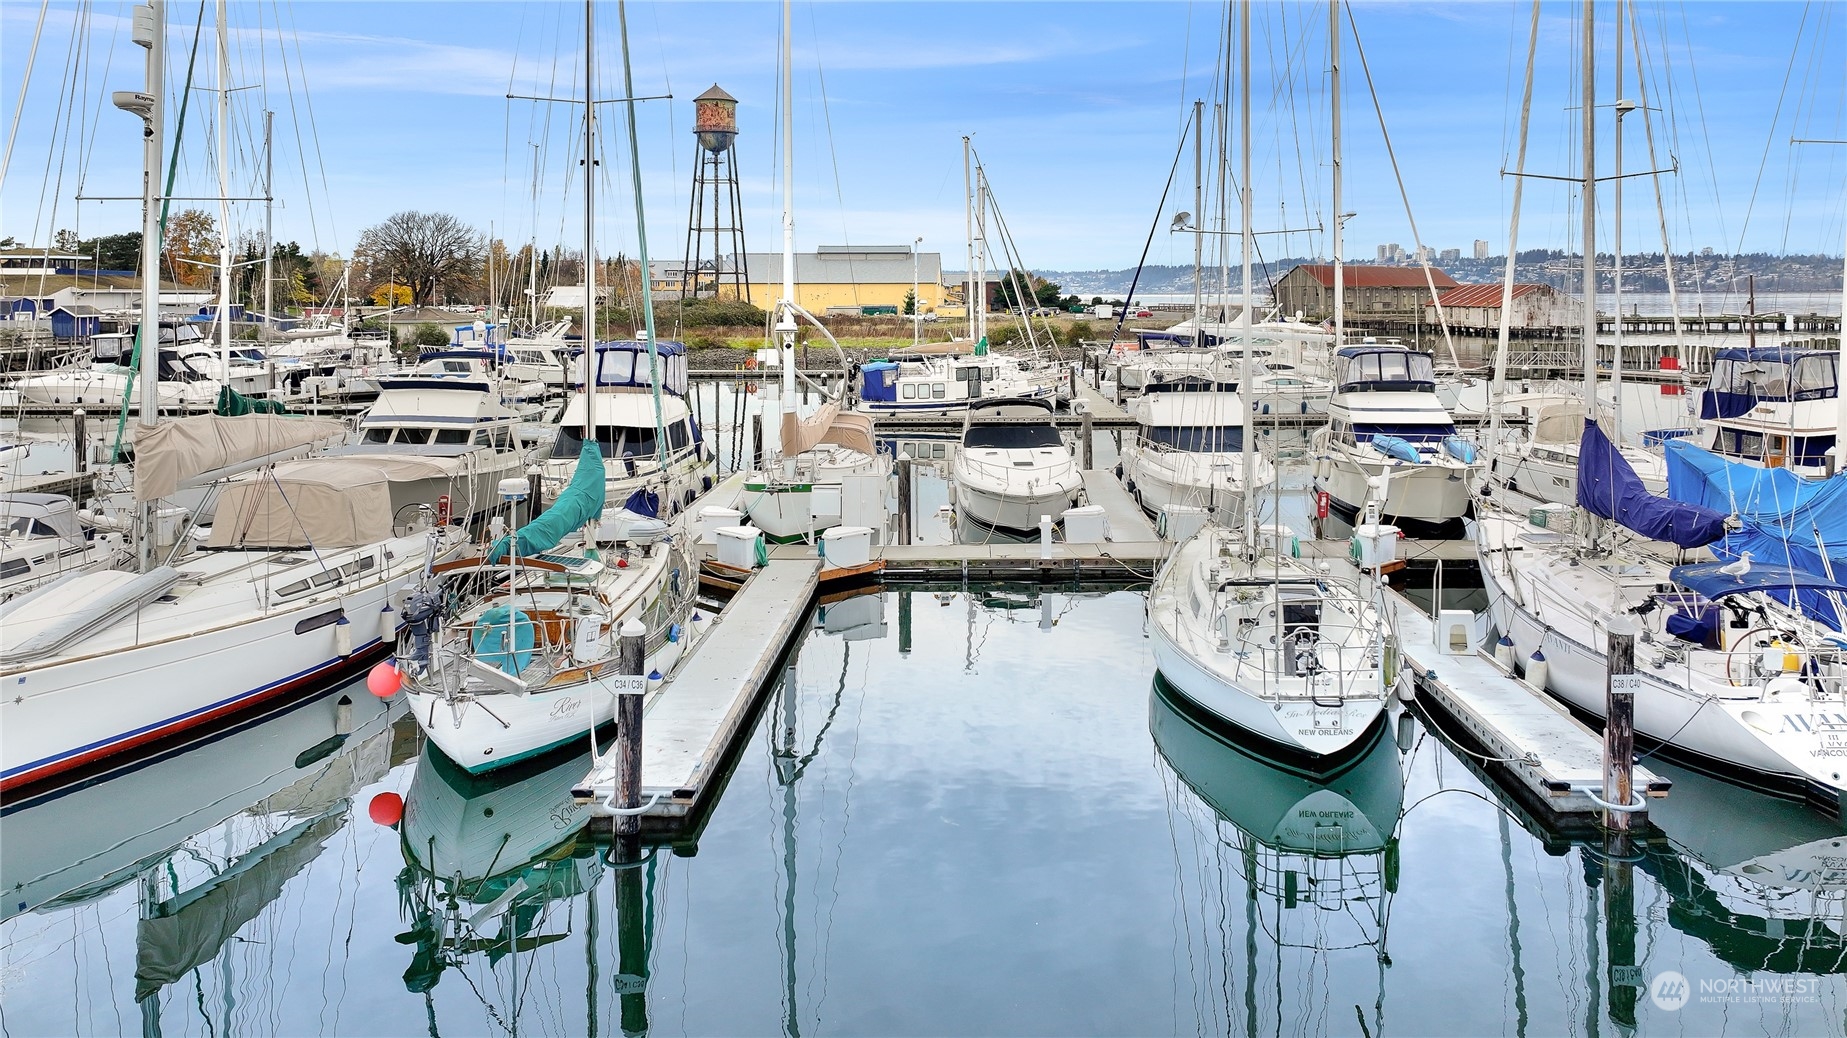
{"x":616,"y":441}
{"x":1380,"y":369}
{"x":1011,"y":437}
{"x":1205,"y":439}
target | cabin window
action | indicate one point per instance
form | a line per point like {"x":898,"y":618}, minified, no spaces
{"x":910,"y":391}
{"x":616,"y":441}
{"x":1209,"y":439}
{"x":1740,"y":443}
{"x":1814,"y":378}
{"x":939,"y":391}
{"x":450,"y":436}
{"x":677,"y":436}
{"x":1364,"y":432}
{"x":377,"y":436}
{"x":13,"y":568}
{"x":1012,"y":437}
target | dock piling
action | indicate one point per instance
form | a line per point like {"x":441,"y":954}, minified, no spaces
{"x":1619,"y":732}
{"x":904,"y":497}
{"x":81,"y":463}
{"x":633,"y":659}
{"x":1084,"y":437}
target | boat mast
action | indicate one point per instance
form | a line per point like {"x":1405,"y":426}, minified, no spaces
{"x":269,"y":223}
{"x":981,"y":256}
{"x":150,"y":29}
{"x":785,"y":307}
{"x":224,"y":196}
{"x":1616,"y":243}
{"x":590,"y":358}
{"x":1246,"y":391}
{"x":641,"y":242}
{"x":1340,"y":282}
{"x":1199,"y":220}
{"x":1499,"y":388}
{"x":968,"y":237}
{"x":532,"y":252}
{"x":1588,"y":198}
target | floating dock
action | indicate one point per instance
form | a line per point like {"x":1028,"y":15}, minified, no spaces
{"x":691,"y":723}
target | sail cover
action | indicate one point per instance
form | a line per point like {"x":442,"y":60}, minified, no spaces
{"x":580,"y":503}
{"x":1609,"y":487}
{"x":179,"y":450}
{"x":828,"y":425}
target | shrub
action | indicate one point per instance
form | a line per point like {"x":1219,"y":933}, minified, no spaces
{"x":429,"y":335}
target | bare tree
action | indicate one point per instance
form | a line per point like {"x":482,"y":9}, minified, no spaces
{"x":430,"y":252}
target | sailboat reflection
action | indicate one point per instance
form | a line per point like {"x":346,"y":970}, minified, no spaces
{"x":1312,"y":858}
{"x":486,"y":861}
{"x":1762,"y":882}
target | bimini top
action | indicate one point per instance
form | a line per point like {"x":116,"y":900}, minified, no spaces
{"x":1709,"y":580}
{"x":1778,"y":354}
{"x":1370,"y":368}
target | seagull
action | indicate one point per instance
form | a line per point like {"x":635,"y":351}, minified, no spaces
{"x":1739,"y":568}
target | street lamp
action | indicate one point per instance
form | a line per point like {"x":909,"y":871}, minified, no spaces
{"x":916,"y":303}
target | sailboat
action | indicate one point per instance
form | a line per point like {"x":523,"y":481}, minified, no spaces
{"x":799,"y":491}
{"x":516,"y":651}
{"x":1741,"y":665}
{"x":1253,"y":635}
{"x":293,"y":593}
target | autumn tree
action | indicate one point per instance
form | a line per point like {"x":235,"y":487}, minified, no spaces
{"x":433,"y":253}
{"x":391,"y":294}
{"x":190,"y":249}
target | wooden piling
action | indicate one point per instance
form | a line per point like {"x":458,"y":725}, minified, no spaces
{"x":633,"y":660}
{"x":81,"y":463}
{"x":1084,"y":437}
{"x":904,"y":498}
{"x":1619,"y":730}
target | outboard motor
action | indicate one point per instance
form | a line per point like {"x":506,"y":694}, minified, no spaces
{"x":423,"y":609}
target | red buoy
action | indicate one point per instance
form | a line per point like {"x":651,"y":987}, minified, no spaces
{"x":384,"y":680}
{"x":386,"y":809}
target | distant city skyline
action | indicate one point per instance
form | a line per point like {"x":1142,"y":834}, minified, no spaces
{"x":1077,"y":110}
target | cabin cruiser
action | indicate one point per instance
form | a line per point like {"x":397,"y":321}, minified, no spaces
{"x":1008,"y":475}
{"x":1774,"y":406}
{"x":41,"y":539}
{"x":657,"y":462}
{"x":1544,"y":465}
{"x":1389,"y":437}
{"x":952,"y":385}
{"x":107,"y":380}
{"x":1187,"y":452}
{"x":547,"y":357}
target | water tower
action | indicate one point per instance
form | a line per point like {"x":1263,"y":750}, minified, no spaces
{"x":715,"y":264}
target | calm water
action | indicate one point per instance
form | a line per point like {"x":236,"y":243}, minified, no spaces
{"x":959,"y":813}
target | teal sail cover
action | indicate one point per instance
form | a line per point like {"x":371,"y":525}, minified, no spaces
{"x":580,"y":503}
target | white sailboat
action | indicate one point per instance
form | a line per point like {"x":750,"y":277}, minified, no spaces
{"x":294,"y":592}
{"x":1254,"y":636}
{"x":1729,"y":674}
{"x":799,"y":491}
{"x":516,"y":651}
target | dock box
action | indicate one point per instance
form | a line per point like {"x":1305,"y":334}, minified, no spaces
{"x":1086,"y":525}
{"x":712,"y":518}
{"x":739,"y":546}
{"x":847,"y":546}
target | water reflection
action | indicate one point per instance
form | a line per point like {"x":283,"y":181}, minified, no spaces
{"x":1313,"y":858}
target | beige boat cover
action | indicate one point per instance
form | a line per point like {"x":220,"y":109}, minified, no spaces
{"x":179,"y":448}
{"x":828,"y":425}
{"x":325,"y":503}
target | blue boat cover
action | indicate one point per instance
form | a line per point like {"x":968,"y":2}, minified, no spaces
{"x":878,"y":381}
{"x":1393,"y":447}
{"x":580,"y":503}
{"x":492,"y":645}
{"x":1784,"y":519}
{"x":1609,"y":487}
{"x":1461,"y":449}
{"x":1709,"y":580}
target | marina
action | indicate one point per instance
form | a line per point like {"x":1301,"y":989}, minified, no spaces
{"x":540,"y":628}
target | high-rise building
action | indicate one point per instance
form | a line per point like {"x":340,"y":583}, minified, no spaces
{"x":1449,"y":255}
{"x":1425,"y":254}
{"x":1384,"y":254}
{"x":1481,"y":248}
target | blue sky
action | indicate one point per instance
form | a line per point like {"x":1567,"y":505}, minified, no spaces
{"x":1076,"y":109}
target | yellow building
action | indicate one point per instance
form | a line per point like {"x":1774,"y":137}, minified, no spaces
{"x":836,"y":277}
